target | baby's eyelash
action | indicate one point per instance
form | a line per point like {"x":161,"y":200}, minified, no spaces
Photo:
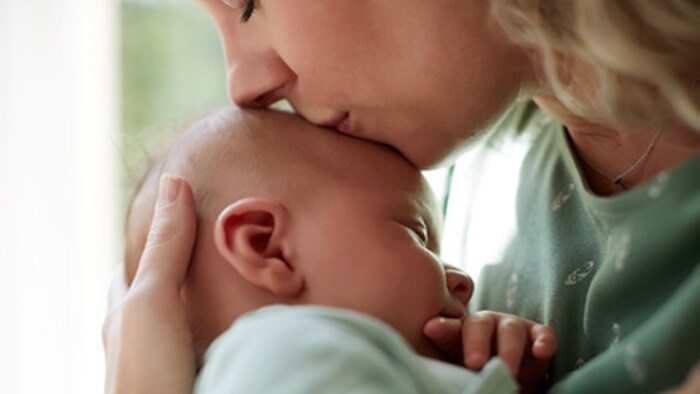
{"x":421,"y":232}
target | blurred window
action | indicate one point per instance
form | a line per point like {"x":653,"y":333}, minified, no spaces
{"x":172,"y":70}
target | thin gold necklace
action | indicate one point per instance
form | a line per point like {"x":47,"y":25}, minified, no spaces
{"x":619,"y":180}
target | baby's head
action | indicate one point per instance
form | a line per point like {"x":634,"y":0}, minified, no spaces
{"x":289,"y":213}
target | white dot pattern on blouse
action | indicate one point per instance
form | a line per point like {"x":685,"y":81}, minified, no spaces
{"x":619,"y":246}
{"x":658,"y":185}
{"x":616,"y":335}
{"x":563,"y":197}
{"x":622,"y":252}
{"x":511,"y":290}
{"x":636,"y":370}
{"x":579,"y":273}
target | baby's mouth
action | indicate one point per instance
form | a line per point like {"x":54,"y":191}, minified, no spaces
{"x":453,"y":310}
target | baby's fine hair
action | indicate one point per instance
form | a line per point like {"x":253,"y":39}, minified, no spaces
{"x":229,"y":155}
{"x":221,"y":138}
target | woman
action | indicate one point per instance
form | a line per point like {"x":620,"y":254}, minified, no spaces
{"x":609,"y":200}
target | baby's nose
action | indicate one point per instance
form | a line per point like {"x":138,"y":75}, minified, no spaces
{"x":460,"y":284}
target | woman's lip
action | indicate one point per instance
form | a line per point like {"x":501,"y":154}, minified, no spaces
{"x":345,"y":124}
{"x":342,"y":123}
{"x":333,"y":123}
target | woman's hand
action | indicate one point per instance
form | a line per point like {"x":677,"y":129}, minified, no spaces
{"x":524,"y":346}
{"x":146,"y":336}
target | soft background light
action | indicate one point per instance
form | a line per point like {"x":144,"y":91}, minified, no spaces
{"x":58,"y":234}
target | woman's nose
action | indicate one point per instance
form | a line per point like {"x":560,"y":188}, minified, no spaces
{"x":259,"y":81}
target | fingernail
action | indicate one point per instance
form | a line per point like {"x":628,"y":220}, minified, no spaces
{"x":168,"y":190}
{"x":474,"y":360}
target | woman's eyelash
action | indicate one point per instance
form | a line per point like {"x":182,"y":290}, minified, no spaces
{"x":248,"y":9}
{"x":246,"y":6}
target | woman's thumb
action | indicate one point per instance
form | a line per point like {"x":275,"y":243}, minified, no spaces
{"x":169,"y":245}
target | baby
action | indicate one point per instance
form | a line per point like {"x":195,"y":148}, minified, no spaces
{"x":322,"y":249}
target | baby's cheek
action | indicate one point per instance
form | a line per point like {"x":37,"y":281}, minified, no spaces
{"x":201,"y":321}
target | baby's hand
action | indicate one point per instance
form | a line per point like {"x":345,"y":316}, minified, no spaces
{"x":524,"y":346}
{"x":146,"y":336}
{"x":691,"y":384}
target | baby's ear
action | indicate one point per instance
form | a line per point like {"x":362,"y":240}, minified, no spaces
{"x":249,"y":234}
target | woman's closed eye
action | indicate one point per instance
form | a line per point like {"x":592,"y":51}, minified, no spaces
{"x":246,"y":6}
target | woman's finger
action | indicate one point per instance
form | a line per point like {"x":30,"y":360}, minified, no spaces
{"x":478,"y":329}
{"x":171,"y":237}
{"x":148,"y":335}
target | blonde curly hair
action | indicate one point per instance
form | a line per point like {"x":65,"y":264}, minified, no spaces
{"x":644,"y":54}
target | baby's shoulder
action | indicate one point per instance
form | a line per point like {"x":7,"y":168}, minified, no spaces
{"x":304,"y":349}
{"x":304,"y":326}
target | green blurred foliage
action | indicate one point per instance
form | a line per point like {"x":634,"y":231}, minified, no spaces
{"x":172,"y":70}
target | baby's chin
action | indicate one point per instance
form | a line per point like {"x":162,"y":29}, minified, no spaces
{"x":202,"y":337}
{"x":200,"y":346}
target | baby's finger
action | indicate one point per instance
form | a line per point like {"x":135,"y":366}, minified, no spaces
{"x":544,"y":341}
{"x":691,"y":385}
{"x":478,"y":331}
{"x":446,"y":334}
{"x":171,"y":237}
{"x":512,"y":342}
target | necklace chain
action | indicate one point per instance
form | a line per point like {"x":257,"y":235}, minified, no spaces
{"x":619,"y":180}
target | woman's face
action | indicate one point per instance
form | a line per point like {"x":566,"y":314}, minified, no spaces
{"x":422,"y":76}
